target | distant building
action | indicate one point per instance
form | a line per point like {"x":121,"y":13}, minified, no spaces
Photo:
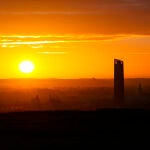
{"x":140,"y":90}
{"x":36,"y":101}
{"x":118,"y":81}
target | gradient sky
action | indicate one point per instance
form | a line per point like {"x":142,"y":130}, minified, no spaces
{"x":75,"y":38}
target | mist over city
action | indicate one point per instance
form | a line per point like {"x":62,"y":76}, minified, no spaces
{"x":74,"y":74}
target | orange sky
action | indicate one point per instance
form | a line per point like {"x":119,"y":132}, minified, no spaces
{"x":74,"y":39}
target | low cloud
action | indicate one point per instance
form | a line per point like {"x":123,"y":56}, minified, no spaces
{"x":39,"y":42}
{"x":42,"y":41}
{"x":52,"y":53}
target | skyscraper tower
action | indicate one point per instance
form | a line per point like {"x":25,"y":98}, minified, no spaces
{"x":118,"y":82}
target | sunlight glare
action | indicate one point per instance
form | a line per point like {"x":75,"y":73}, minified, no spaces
{"x":26,"y":66}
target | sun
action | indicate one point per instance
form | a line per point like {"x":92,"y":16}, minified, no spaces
{"x":26,"y":66}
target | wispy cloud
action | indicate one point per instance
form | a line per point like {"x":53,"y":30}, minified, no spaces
{"x":53,"y":13}
{"x":52,"y":53}
{"x":28,"y":42}
{"x":42,"y":41}
{"x":139,"y":53}
{"x":49,"y":40}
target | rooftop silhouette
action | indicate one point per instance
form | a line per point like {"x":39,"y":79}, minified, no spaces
{"x":118,"y":81}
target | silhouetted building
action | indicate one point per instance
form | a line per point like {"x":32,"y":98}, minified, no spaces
{"x":118,"y":81}
{"x":140,"y":90}
{"x":36,"y":101}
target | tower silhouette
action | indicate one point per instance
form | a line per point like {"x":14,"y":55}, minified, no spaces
{"x":118,"y":82}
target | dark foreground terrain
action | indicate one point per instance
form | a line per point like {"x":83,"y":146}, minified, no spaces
{"x":117,"y":128}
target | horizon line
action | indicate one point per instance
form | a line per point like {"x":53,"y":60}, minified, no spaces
{"x":92,"y":78}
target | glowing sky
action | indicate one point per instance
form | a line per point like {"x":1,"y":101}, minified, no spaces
{"x":75,"y":38}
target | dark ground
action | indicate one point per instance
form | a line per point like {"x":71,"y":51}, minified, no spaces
{"x":117,"y":128}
